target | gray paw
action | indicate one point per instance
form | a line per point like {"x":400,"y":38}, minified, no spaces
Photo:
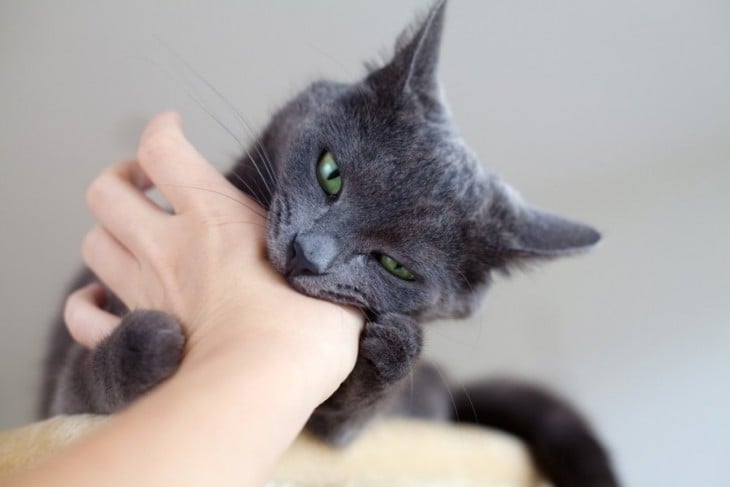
{"x":391,"y":348}
{"x":388,"y":351}
{"x":150,"y":347}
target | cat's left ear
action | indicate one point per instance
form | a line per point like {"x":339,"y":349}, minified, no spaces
{"x":412,"y":70}
{"x":539,"y":234}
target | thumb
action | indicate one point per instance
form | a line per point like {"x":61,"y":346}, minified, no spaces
{"x":87,"y":323}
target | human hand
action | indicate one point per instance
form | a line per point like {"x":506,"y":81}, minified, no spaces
{"x":205,"y":264}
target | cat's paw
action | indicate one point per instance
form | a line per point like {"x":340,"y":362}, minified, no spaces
{"x":392,"y":349}
{"x":150,"y":347}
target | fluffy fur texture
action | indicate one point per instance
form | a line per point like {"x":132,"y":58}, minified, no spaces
{"x":411,"y":189}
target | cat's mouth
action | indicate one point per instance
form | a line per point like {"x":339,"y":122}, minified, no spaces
{"x":311,"y":285}
{"x":310,"y":277}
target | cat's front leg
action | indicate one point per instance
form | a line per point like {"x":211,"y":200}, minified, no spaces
{"x":145,"y":349}
{"x":388,"y":352}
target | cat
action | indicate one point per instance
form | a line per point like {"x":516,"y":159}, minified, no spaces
{"x":375,"y":201}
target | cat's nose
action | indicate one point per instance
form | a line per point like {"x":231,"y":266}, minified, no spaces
{"x":300,"y":263}
{"x":311,"y":255}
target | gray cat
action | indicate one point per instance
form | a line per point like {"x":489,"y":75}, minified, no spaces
{"x":373,"y":201}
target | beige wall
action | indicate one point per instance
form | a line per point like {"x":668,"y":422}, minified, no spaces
{"x":615,"y":112}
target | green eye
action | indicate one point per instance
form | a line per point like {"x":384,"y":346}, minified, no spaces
{"x":328,"y":174}
{"x":392,"y":266}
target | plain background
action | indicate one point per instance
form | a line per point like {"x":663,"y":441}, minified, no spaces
{"x":612,"y":112}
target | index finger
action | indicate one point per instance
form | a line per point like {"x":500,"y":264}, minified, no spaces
{"x":177,"y":169}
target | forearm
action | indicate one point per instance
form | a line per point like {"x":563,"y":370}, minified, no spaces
{"x":225,"y":418}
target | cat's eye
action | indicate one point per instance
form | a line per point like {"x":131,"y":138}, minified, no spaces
{"x":328,"y":174}
{"x":394,"y":267}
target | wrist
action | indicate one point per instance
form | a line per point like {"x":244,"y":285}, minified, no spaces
{"x":309,"y":344}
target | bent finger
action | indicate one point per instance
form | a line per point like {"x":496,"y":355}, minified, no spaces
{"x":116,"y":199}
{"x":85,"y":319}
{"x":178,"y":170}
{"x":117,"y":268}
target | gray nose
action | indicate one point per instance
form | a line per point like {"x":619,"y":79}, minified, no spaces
{"x":311,"y":255}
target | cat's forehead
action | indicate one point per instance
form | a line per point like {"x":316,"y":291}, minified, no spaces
{"x":397,"y":162}
{"x":385,"y":139}
{"x":406,"y":178}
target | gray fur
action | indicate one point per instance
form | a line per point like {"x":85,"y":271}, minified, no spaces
{"x":141,"y":352}
{"x":411,"y":189}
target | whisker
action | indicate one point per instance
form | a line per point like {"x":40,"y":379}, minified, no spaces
{"x":466,"y":281}
{"x":258,"y":196}
{"x":411,"y":387}
{"x":264,"y":157}
{"x":232,"y":198}
{"x":241,"y":221}
{"x":260,"y":149}
{"x":329,"y":56}
{"x":254,"y":194}
{"x":195,"y":98}
{"x":468,"y":398}
{"x":448,"y":389}
{"x":481,"y":326}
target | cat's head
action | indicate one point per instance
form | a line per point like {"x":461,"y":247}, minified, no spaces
{"x":379,"y":203}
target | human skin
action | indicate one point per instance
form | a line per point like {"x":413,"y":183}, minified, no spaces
{"x":259,"y":357}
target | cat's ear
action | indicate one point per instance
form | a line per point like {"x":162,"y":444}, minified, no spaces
{"x":536,"y":233}
{"x":413,"y":66}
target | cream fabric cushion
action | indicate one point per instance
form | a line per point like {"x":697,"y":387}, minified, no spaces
{"x":393,"y":453}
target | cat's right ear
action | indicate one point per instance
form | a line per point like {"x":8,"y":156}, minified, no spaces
{"x":413,"y":68}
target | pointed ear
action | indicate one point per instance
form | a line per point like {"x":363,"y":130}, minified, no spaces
{"x":536,"y":233}
{"x":413,"y":67}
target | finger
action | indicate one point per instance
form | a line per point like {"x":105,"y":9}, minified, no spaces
{"x":113,"y":264}
{"x":87,"y":323}
{"x":181,"y":174}
{"x":116,"y":200}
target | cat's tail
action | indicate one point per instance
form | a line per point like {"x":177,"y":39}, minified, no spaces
{"x":561,"y":442}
